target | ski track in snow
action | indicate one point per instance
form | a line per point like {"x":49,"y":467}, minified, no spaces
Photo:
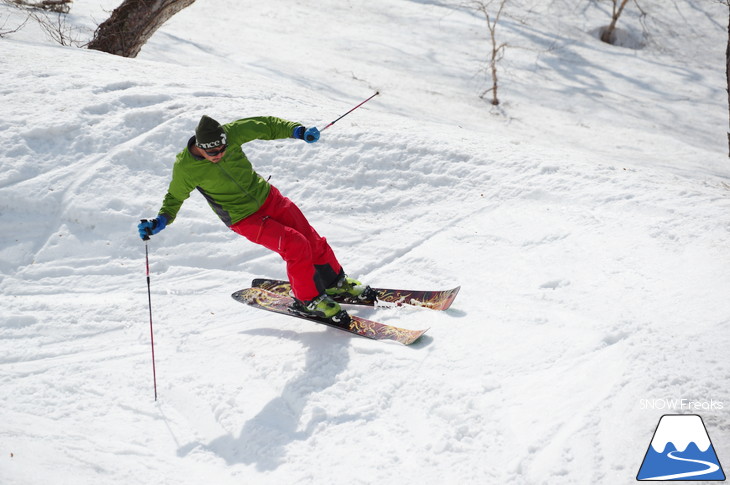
{"x":585,"y":219}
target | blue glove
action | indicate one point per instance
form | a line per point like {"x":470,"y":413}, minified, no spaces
{"x":148,"y":228}
{"x":310,"y":135}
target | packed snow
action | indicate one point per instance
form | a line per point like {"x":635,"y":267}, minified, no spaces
{"x":586,"y":219}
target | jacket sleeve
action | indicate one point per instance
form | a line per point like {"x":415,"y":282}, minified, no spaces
{"x":178,"y":191}
{"x":259,"y":128}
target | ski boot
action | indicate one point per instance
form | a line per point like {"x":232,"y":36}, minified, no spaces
{"x":323,"y":308}
{"x":348,"y":289}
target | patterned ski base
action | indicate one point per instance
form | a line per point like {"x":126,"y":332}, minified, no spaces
{"x":274,"y":302}
{"x":435,"y":300}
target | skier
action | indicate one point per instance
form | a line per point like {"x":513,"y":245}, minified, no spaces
{"x":214,"y":163}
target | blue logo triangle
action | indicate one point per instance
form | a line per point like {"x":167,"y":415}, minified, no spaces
{"x":681,"y":450}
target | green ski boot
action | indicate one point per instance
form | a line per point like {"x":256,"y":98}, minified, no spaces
{"x":323,"y":307}
{"x":347,"y":288}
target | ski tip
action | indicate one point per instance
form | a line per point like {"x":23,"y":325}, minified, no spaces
{"x":446,"y":304}
{"x":243,"y":295}
{"x":248,"y":294}
{"x":415,"y":337}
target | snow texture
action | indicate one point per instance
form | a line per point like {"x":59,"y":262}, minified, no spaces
{"x":586,"y":219}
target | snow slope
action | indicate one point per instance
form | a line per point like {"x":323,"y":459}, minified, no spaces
{"x":586,"y":219}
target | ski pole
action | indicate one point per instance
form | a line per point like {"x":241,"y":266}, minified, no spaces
{"x":149,"y":301}
{"x":353,"y":109}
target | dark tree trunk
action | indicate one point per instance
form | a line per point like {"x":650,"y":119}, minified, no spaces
{"x":132,"y":24}
{"x":607,"y":33}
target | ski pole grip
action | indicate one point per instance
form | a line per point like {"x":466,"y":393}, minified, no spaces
{"x":146,"y":230}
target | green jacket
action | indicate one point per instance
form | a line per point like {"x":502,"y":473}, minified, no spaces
{"x":232,"y":188}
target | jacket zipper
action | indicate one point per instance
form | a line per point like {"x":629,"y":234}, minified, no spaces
{"x":236,"y":182}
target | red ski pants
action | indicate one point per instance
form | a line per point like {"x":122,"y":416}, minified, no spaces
{"x":280,"y":226}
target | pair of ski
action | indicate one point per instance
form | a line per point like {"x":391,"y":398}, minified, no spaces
{"x":274,"y":296}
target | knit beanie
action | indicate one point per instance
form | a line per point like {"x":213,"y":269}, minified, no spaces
{"x":209,"y":133}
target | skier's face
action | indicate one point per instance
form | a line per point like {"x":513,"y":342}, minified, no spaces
{"x":214,"y":156}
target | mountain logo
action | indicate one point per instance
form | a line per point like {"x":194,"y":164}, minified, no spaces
{"x":681,"y":450}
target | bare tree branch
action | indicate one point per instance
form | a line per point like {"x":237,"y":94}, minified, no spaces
{"x":497,"y":51}
{"x":4,"y":30}
{"x":58,"y":6}
{"x":50,"y":15}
